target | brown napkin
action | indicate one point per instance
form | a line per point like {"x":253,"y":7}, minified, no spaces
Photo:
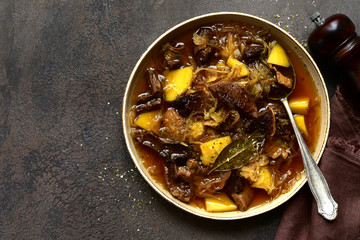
{"x":340,"y":165}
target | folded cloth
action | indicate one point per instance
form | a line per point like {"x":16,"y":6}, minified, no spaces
{"x":340,"y":165}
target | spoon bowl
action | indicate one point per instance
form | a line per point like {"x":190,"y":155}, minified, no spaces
{"x":278,"y":91}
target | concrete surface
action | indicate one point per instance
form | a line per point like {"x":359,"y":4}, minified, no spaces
{"x":65,"y":169}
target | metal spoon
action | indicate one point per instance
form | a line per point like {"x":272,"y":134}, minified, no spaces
{"x":327,"y":207}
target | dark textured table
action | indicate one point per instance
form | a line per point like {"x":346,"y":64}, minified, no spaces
{"x":65,"y":169}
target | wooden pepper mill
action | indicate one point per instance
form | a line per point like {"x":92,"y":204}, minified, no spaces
{"x":336,"y":43}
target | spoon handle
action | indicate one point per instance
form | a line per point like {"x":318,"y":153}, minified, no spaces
{"x":327,"y":207}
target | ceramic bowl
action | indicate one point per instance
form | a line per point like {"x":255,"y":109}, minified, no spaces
{"x":290,"y":44}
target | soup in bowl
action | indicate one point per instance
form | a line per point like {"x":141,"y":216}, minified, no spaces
{"x":201,"y":126}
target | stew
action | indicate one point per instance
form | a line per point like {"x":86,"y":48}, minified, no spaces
{"x":205,"y":125}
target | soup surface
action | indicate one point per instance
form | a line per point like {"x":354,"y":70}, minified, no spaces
{"x":206,"y":125}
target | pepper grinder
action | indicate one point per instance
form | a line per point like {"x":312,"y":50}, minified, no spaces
{"x":335,"y":43}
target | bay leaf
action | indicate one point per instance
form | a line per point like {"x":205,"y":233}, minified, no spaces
{"x":238,"y":153}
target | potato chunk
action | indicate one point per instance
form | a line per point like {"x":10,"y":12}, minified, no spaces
{"x":299,"y":105}
{"x":300,"y":122}
{"x":211,"y":149}
{"x":231,"y":62}
{"x":149,"y":121}
{"x":278,"y":56}
{"x":264,"y":180}
{"x":220,"y":202}
{"x":177,"y":82}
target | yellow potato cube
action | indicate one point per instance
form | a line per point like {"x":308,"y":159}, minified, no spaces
{"x":300,"y":122}
{"x":210,"y":150}
{"x":278,"y":56}
{"x":231,"y":62}
{"x":299,"y":105}
{"x":177,"y":82}
{"x":149,"y":121}
{"x":219,"y":203}
{"x":264,"y":180}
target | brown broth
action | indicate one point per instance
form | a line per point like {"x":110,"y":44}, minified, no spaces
{"x":305,"y":87}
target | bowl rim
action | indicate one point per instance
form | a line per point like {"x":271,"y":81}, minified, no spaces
{"x":138,"y":164}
